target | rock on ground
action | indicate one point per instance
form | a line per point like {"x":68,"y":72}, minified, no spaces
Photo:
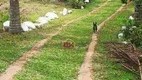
{"x":30,"y":25}
{"x":6,"y":25}
{"x":51,"y":15}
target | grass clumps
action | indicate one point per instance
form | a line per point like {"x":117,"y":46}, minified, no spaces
{"x":3,"y":17}
{"x":105,"y":68}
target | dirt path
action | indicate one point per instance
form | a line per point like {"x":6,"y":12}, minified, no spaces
{"x":86,"y":70}
{"x":18,"y":64}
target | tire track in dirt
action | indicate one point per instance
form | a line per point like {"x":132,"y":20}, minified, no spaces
{"x":18,"y":64}
{"x":86,"y":69}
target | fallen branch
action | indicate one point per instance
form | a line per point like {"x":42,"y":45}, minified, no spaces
{"x":128,"y":54}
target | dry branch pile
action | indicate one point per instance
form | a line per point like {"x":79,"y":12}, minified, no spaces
{"x":128,"y":56}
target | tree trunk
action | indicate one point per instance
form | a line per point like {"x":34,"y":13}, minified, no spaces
{"x":15,"y":25}
{"x":138,"y":13}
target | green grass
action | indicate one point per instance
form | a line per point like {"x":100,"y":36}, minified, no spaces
{"x":13,"y":46}
{"x":104,"y":67}
{"x":57,"y":63}
{"x":3,"y":17}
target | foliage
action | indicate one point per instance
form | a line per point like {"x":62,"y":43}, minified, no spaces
{"x":73,"y":3}
{"x":124,"y":1}
{"x":128,"y":30}
{"x":76,"y":3}
{"x":138,"y":1}
{"x":3,"y":17}
{"x":134,"y":35}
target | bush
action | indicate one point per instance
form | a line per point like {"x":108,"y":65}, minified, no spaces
{"x":136,"y":36}
{"x":124,"y":1}
{"x":73,"y":3}
{"x":133,"y":33}
{"x":76,"y":3}
{"x":138,"y":1}
{"x":129,"y":29}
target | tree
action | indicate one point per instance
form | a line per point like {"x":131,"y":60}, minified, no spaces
{"x":138,"y":11}
{"x":15,"y":24}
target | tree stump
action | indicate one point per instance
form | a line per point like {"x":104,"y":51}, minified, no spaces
{"x":68,"y":44}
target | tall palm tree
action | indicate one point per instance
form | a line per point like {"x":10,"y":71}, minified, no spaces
{"x":138,"y":11}
{"x":15,"y":25}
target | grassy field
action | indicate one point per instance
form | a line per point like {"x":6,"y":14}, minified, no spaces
{"x":38,"y":9}
{"x":57,"y":63}
{"x":13,"y":46}
{"x":104,"y":67}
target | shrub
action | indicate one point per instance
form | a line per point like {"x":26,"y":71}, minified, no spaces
{"x":129,"y":29}
{"x":138,"y":1}
{"x":124,"y":1}
{"x":133,"y":33}
{"x":136,"y":36}
{"x":76,"y":3}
